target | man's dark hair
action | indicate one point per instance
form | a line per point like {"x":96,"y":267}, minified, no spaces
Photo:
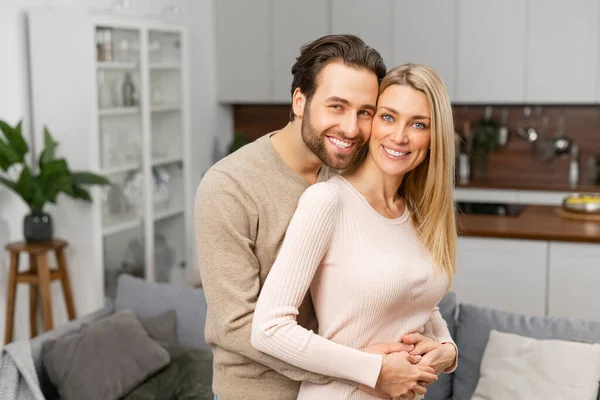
{"x":349,"y":49}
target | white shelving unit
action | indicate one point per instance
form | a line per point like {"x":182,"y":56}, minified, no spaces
{"x":79,"y":65}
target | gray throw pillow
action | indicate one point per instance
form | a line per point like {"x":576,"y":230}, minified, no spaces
{"x":442,"y":388}
{"x":148,"y":299}
{"x":475,"y":324}
{"x":104,"y":360}
{"x":162,"y":328}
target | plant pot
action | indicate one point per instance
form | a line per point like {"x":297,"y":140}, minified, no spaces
{"x":37,"y":227}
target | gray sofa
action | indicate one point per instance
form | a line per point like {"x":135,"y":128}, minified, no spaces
{"x":147,"y":300}
{"x":469,"y":325}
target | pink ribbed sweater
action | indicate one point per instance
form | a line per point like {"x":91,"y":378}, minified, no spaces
{"x":371,"y":279}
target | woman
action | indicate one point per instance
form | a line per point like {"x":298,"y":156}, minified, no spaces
{"x":375,"y":246}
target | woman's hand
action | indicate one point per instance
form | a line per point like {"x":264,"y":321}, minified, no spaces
{"x":439,"y":356}
{"x":400,"y":376}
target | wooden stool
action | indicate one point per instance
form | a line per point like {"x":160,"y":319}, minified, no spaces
{"x":38,"y":277}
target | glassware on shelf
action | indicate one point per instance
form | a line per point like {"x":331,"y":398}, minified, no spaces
{"x":128,"y":91}
{"x":113,"y":152}
{"x":104,"y":91}
{"x":104,"y":50}
{"x":162,"y":187}
{"x":133,"y":190}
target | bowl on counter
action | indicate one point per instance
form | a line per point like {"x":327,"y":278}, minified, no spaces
{"x":585,"y":203}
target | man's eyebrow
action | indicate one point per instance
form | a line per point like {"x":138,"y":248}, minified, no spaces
{"x":336,"y":99}
{"x":393,"y":111}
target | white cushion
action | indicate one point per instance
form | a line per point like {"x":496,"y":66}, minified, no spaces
{"x":517,"y":367}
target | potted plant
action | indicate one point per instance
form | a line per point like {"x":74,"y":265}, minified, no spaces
{"x":41,"y":184}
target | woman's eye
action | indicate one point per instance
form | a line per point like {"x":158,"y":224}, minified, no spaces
{"x":420,"y":125}
{"x":387,"y":118}
{"x":336,"y":107}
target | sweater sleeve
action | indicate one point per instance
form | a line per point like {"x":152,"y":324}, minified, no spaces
{"x":442,"y":334}
{"x":275,"y":330}
{"x":225,"y":223}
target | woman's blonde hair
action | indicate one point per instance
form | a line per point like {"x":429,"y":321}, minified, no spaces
{"x":428,"y":189}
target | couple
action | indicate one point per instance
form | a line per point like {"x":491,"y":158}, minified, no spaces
{"x":345,"y":218}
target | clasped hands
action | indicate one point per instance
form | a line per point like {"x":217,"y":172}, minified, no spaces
{"x":408,"y":367}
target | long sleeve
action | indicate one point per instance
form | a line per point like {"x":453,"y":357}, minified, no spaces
{"x":440,"y":330}
{"x":225,"y":223}
{"x":275,"y":330}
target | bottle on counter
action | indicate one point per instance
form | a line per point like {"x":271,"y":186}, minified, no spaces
{"x":574,"y":165}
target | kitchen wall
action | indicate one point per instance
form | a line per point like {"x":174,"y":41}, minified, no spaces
{"x":211,"y":123}
{"x":512,"y":164}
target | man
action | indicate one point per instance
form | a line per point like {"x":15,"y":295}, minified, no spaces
{"x":245,"y":202}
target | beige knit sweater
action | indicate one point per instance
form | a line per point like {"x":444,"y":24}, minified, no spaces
{"x":243,"y":207}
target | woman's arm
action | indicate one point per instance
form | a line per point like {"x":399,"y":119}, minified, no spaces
{"x":274,"y":329}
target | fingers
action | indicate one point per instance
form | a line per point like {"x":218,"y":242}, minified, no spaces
{"x":424,"y":347}
{"x":413,"y":359}
{"x":413,"y":338}
{"x":418,"y":389}
{"x":428,"y":377}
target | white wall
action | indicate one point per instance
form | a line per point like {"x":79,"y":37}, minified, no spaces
{"x":212,"y":125}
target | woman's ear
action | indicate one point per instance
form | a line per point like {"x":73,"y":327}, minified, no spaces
{"x":298,"y":103}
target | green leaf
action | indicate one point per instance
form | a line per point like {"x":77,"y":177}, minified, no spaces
{"x":15,"y":140}
{"x":88,"y":178}
{"x":30,"y":190}
{"x":10,"y":184}
{"x":8,"y":156}
{"x":80,"y":193}
{"x":54,"y":178}
{"x":50,"y":145}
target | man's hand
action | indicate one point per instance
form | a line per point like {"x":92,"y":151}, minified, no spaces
{"x":385,"y":349}
{"x":400,"y":377}
{"x":435,"y":355}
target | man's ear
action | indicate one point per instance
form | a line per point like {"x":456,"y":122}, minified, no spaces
{"x":298,"y":103}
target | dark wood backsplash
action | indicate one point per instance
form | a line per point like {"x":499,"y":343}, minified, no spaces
{"x":510,"y":163}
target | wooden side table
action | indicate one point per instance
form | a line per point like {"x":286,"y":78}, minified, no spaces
{"x":38,"y":277}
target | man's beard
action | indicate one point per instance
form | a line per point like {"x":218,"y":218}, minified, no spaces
{"x":315,"y":141}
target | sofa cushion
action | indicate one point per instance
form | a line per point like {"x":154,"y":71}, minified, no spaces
{"x":162,"y":328}
{"x":149,"y":299}
{"x":516,"y":366}
{"x":442,"y":388}
{"x":104,"y":360}
{"x":474,"y":327}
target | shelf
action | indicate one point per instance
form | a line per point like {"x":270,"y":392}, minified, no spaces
{"x":166,"y":107}
{"x":166,"y":160}
{"x":105,"y":112}
{"x":168,"y":213}
{"x":120,"y":223}
{"x":115,"y":65}
{"x":165,"y":66}
{"x":121,"y":169}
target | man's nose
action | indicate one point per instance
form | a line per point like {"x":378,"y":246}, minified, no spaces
{"x":350,"y":126}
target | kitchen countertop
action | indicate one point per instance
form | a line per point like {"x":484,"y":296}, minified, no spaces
{"x":534,"y":223}
{"x":526,"y":185}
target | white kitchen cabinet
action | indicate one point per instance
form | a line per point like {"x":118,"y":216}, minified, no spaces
{"x":562,"y":51}
{"x":574,"y":279}
{"x":243,"y":47}
{"x":504,"y":274}
{"x":425,"y":32}
{"x":371,"y":21}
{"x":491,"y":51}
{"x":294,"y":24}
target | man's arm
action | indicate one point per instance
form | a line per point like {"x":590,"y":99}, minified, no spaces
{"x":226,"y":221}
